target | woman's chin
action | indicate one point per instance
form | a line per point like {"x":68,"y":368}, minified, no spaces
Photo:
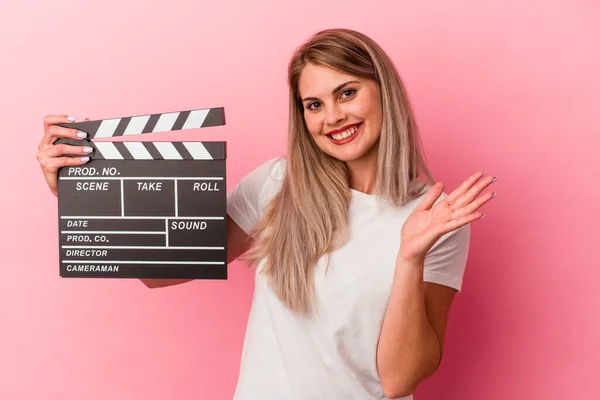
{"x":349,"y":152}
{"x":347,"y":155}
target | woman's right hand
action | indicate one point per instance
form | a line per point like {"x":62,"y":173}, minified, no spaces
{"x":54,"y":156}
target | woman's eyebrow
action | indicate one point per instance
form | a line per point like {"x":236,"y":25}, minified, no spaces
{"x":334,"y":91}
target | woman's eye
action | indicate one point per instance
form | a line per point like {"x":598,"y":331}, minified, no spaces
{"x":313,"y":105}
{"x":348,"y":92}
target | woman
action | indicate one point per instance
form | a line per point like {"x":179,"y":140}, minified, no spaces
{"x":357,"y":261}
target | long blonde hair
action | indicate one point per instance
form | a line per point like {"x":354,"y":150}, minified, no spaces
{"x":307,"y":218}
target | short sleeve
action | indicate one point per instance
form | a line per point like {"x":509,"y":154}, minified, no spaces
{"x":446,"y":261}
{"x":247,"y":199}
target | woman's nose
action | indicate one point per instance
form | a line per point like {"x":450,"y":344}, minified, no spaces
{"x":334,"y":115}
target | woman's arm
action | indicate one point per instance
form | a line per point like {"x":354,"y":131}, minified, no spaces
{"x":411,"y":341}
{"x":412,"y":336}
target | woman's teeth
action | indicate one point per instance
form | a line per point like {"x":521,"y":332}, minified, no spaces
{"x":347,"y":133}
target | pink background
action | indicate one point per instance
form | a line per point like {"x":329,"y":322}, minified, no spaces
{"x":510,"y":86}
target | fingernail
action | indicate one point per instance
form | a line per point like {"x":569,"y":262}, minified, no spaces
{"x":495,"y":179}
{"x":87,"y":149}
{"x":81,"y":134}
{"x":71,"y":118}
{"x":493,"y":196}
{"x":484,"y":172}
{"x":85,"y":159}
{"x":481,"y":216}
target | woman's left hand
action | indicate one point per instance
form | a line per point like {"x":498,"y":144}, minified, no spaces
{"x":429,"y":221}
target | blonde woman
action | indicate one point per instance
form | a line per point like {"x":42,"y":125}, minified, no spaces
{"x":358,"y":252}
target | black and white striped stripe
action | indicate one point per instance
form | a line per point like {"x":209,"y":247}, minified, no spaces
{"x":158,"y":150}
{"x":140,"y":124}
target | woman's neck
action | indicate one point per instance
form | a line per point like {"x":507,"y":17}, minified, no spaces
{"x":363,"y":173}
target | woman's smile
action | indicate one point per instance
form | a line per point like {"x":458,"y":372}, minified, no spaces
{"x":345,"y":134}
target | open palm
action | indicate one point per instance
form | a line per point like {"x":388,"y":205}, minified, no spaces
{"x":430,"y":220}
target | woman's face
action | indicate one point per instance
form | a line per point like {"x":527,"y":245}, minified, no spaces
{"x":342,"y":112}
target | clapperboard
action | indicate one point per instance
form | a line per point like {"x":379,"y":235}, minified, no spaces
{"x":145,"y":209}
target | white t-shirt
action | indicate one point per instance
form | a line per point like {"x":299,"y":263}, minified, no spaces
{"x":331,"y":354}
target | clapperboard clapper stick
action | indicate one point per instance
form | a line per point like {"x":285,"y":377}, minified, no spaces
{"x":145,"y":209}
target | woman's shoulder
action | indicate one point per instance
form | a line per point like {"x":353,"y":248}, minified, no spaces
{"x":247,"y":199}
{"x":270,"y":171}
{"x":267,"y":175}
{"x":276,"y":167}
